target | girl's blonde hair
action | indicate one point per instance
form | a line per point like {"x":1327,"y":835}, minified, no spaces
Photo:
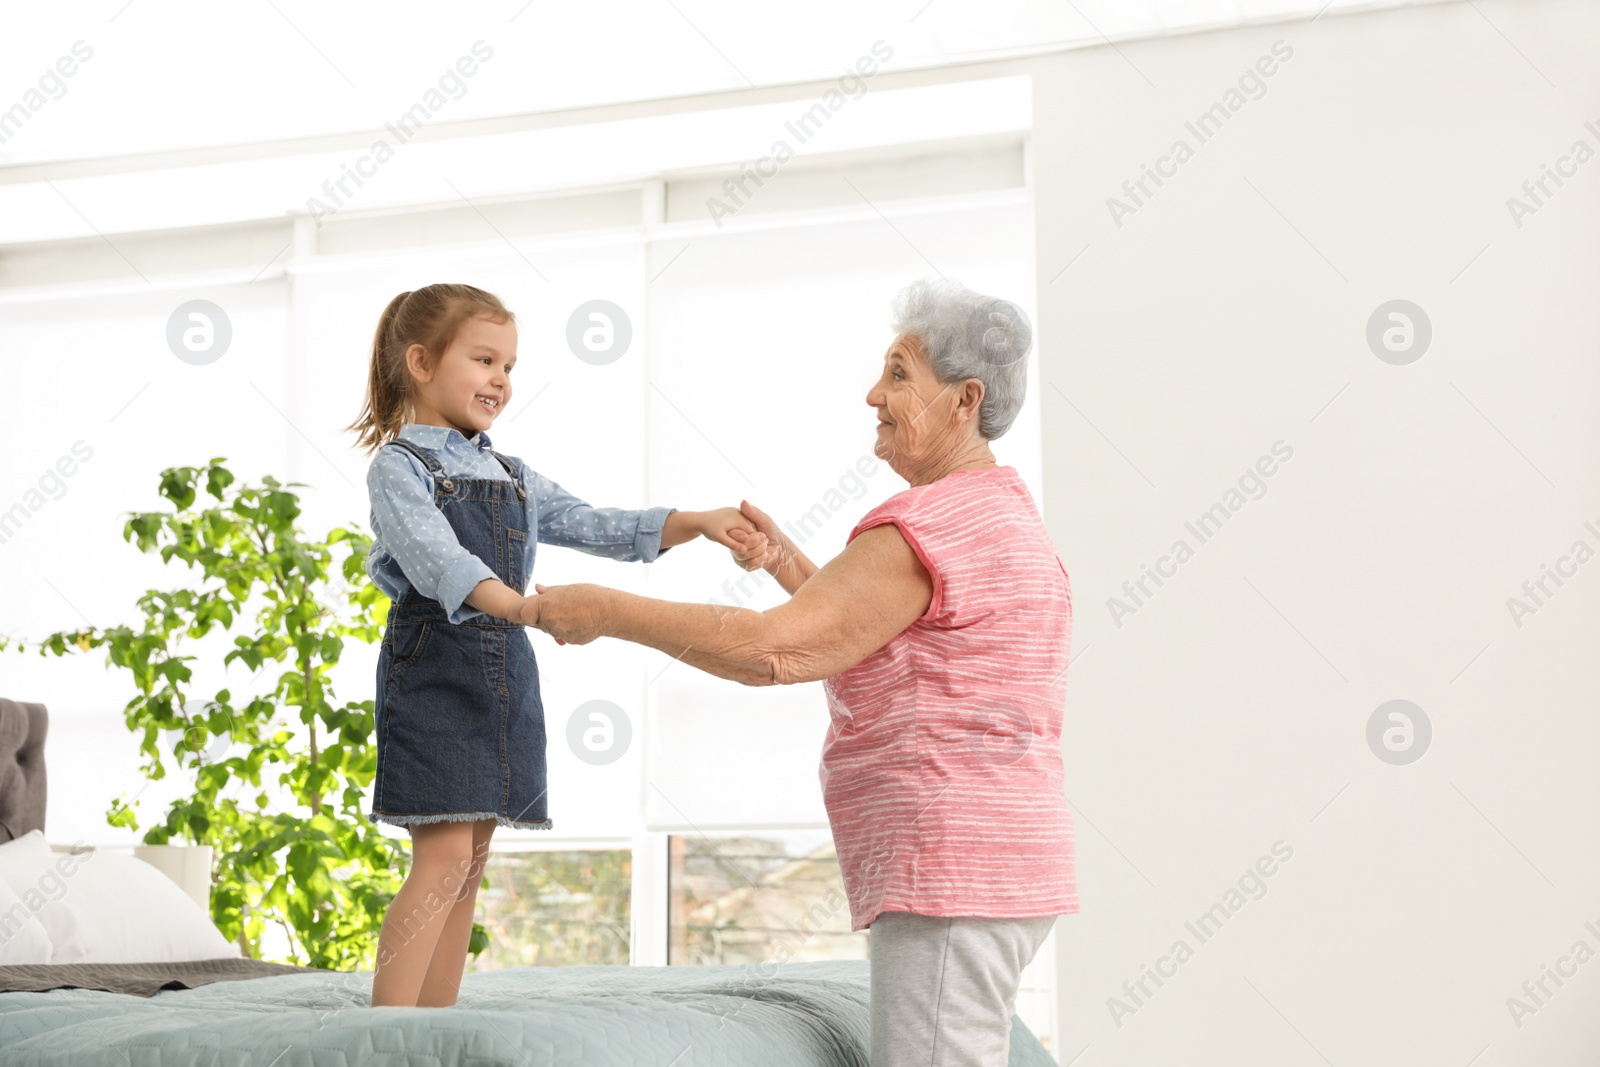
{"x":429,"y":317}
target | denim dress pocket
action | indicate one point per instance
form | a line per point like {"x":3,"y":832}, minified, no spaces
{"x":409,"y":642}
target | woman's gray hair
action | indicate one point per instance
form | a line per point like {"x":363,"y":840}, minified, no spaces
{"x":968,"y":335}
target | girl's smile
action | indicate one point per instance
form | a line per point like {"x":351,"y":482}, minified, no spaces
{"x":471,"y":384}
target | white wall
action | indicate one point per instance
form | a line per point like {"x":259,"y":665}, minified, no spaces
{"x":1230,"y":712}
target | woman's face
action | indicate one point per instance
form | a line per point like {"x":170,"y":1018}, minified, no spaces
{"x":914,"y":409}
{"x":471,"y":384}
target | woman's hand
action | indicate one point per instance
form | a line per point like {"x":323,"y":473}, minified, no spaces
{"x":572,"y":614}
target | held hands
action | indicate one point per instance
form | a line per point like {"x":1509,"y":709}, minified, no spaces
{"x":719,"y":524}
{"x":575,"y":614}
{"x":572,"y":614}
{"x":765,"y":546}
{"x":527,"y":611}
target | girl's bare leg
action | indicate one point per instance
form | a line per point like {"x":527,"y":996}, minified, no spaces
{"x":440,"y":856}
{"x":442,"y":981}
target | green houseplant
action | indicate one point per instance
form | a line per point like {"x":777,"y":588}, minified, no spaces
{"x":314,"y":866}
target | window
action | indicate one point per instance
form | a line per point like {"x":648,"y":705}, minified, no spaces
{"x":767,"y":895}
{"x":555,"y":909}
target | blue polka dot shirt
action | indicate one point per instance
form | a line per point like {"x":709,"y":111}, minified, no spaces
{"x":413,"y":544}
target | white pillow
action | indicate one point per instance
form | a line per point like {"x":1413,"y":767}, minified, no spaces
{"x":23,"y":938}
{"x":105,"y":907}
{"x":29,"y":877}
{"x":119,"y":909}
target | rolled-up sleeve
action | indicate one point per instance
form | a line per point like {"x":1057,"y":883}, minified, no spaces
{"x":411,"y":530}
{"x":624,"y":534}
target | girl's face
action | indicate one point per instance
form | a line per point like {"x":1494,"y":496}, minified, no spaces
{"x":471,"y":384}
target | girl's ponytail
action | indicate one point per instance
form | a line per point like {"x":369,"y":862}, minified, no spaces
{"x":429,"y":316}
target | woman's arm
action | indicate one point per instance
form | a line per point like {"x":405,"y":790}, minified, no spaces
{"x":793,"y":568}
{"x":842,"y":614}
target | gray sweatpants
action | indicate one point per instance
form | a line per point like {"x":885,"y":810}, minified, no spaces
{"x":943,"y":989}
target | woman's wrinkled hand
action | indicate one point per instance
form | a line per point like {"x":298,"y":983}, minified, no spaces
{"x":572,"y":614}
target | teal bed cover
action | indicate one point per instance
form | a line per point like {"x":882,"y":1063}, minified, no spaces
{"x":789,"y":1015}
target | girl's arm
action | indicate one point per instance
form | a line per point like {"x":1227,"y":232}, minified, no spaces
{"x":494,"y":597}
{"x":681,"y":526}
{"x":626,"y":534}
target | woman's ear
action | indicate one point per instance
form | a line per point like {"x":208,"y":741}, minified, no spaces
{"x":971,"y":398}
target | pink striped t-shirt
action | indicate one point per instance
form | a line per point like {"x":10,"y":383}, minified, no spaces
{"x":942,"y":772}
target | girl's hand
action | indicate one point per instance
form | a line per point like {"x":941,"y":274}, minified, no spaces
{"x":719,"y":524}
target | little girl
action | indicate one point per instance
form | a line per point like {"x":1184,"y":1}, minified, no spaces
{"x":458,"y":718}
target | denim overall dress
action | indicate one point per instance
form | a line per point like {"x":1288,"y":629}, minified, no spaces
{"x":458,"y":715}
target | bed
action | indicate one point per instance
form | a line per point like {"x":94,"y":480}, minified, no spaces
{"x":237,"y":1011}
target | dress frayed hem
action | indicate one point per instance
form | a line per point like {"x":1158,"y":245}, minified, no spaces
{"x":458,"y":816}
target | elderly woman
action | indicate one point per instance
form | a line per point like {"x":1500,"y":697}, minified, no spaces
{"x":941,"y":635}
